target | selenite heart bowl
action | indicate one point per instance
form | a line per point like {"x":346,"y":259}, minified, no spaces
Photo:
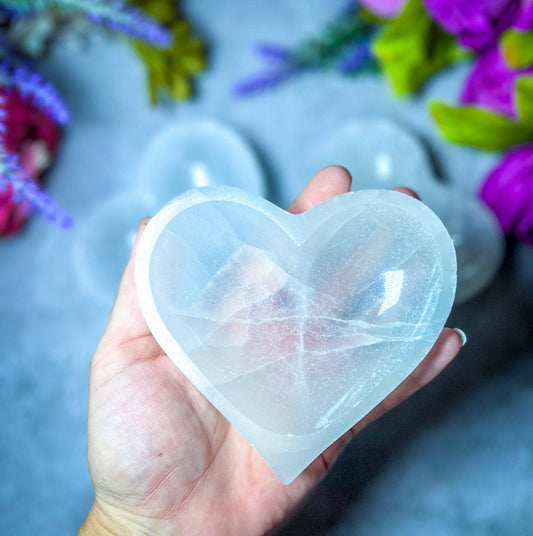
{"x":295,"y":326}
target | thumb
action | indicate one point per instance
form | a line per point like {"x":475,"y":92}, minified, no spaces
{"x":126,"y":321}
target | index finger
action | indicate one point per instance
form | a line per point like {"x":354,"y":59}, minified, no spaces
{"x":328,"y":182}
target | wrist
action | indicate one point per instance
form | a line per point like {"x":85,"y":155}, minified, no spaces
{"x":111,"y":521}
{"x":93,"y":526}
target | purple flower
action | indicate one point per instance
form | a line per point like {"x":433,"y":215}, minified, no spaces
{"x":357,"y":58}
{"x":525,"y":19}
{"x":508,"y":190}
{"x":491,"y":83}
{"x":385,"y":8}
{"x":265,"y":80}
{"x":477,"y":23}
{"x":131,"y":21}
{"x":117,"y":15}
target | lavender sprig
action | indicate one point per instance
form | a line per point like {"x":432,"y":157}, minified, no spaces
{"x":25,"y":188}
{"x":114,"y":14}
{"x":284,"y":67}
{"x":32,"y":85}
{"x":264,"y":80}
{"x":132,"y":22}
{"x":358,"y":58}
{"x":274,"y":53}
{"x":345,"y":44}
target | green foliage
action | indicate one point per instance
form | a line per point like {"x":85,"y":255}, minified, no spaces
{"x":518,"y":48}
{"x":334,"y":41}
{"x":524,"y":99}
{"x":480,"y":128}
{"x":170,"y":69}
{"x":411,"y":48}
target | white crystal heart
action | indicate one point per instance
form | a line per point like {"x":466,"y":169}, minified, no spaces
{"x":295,"y":326}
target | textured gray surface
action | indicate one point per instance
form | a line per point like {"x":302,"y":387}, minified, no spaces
{"x":470,"y":474}
{"x":50,"y":324}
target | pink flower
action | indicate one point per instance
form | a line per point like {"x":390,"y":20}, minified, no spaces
{"x":477,"y":23}
{"x":384,"y":8}
{"x":508,"y":191}
{"x":491,"y":83}
{"x":12,"y":215}
{"x":34,"y":136}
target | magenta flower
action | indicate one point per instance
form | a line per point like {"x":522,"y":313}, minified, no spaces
{"x":508,"y":191}
{"x":525,"y":19}
{"x":491,"y":83}
{"x":477,"y":23}
{"x":32,"y":134}
{"x":12,"y":215}
{"x":384,"y":8}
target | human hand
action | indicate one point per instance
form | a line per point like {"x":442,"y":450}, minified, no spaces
{"x":163,"y":460}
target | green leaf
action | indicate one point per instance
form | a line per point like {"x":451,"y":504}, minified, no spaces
{"x":518,"y":48}
{"x":170,"y":70}
{"x":480,"y":128}
{"x":411,"y":48}
{"x":524,"y":99}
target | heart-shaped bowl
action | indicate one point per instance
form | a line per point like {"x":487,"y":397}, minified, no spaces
{"x":295,"y":326}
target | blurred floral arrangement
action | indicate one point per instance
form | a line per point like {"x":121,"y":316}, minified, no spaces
{"x":32,"y":112}
{"x":411,"y":40}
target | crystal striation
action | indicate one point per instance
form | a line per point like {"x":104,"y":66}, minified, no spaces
{"x":295,"y":326}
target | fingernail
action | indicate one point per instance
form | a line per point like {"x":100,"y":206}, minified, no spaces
{"x":461,"y":334}
{"x":144,"y":222}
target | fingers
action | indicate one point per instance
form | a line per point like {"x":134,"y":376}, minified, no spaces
{"x":439,"y":357}
{"x":407,"y":191}
{"x":328,"y":182}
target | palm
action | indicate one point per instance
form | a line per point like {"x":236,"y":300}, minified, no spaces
{"x":163,"y":457}
{"x":162,"y":451}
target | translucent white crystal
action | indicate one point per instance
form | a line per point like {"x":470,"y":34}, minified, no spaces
{"x":103,"y":242}
{"x":295,"y":327}
{"x":186,"y":155}
{"x":382,"y":154}
{"x":193,"y":154}
{"x":378,"y":152}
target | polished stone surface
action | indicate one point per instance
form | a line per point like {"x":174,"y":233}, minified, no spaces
{"x":197,"y":153}
{"x":295,"y":326}
{"x":382,"y":154}
{"x":188,"y":154}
